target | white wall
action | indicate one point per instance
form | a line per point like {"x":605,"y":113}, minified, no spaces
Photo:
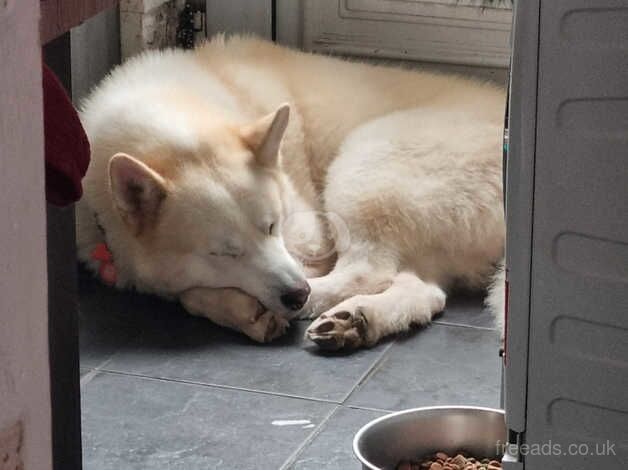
{"x":95,"y":49}
{"x":239,"y":16}
{"x":24,"y":380}
{"x":444,"y":31}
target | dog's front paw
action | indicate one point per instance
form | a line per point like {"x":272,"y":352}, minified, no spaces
{"x":338,"y":330}
{"x":236,"y":310}
{"x":266,"y":326}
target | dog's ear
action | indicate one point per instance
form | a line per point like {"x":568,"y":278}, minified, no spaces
{"x":137,"y":191}
{"x":264,"y":136}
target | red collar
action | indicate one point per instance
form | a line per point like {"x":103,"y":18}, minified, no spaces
{"x":106,"y":270}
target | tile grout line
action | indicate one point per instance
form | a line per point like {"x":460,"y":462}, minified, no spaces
{"x":460,"y":325}
{"x":369,"y":372}
{"x":308,"y":440}
{"x":319,"y":429}
{"x":220,"y":386}
{"x":366,"y":408}
{"x":87,"y":378}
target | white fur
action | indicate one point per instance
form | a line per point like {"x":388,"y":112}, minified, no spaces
{"x":388,"y":189}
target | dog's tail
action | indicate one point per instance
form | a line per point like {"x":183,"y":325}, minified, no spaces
{"x":496,"y":298}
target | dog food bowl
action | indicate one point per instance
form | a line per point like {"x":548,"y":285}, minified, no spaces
{"x":412,"y":434}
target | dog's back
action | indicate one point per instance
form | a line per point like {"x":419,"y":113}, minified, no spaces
{"x":330,"y":96}
{"x":169,"y":94}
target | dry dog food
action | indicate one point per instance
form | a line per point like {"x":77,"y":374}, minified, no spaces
{"x":442,"y":461}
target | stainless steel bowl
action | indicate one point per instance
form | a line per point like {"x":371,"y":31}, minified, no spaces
{"x":411,"y":434}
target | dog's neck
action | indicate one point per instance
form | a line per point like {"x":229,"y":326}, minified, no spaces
{"x":305,"y":232}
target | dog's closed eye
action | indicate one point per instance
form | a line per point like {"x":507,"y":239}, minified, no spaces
{"x":228,"y":251}
{"x":229,"y":255}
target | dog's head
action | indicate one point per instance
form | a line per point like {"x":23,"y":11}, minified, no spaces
{"x":212,"y":217}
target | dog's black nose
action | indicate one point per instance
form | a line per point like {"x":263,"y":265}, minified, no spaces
{"x":296,"y":298}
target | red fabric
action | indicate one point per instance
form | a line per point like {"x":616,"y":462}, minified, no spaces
{"x":66,"y":145}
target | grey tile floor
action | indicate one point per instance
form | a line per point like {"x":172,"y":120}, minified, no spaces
{"x":164,"y":390}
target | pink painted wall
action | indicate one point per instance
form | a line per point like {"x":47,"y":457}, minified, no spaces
{"x":24,"y":380}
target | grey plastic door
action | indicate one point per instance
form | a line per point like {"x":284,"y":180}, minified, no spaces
{"x":577,"y":399}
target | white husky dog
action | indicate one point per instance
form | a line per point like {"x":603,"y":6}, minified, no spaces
{"x":381,"y":186}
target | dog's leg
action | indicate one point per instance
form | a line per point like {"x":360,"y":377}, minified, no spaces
{"x":355,"y":273}
{"x":364,"y":319}
{"x":235,"y":309}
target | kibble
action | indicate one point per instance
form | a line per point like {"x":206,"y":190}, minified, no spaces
{"x":442,"y":461}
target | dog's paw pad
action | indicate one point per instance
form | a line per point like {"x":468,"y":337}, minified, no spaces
{"x":339,"y":330}
{"x":324,"y":327}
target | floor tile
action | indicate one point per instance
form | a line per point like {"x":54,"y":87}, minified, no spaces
{"x":332,"y":447}
{"x":193,"y":349}
{"x":108,"y":319}
{"x":440,"y":365}
{"x":468,"y":310}
{"x":135,"y":423}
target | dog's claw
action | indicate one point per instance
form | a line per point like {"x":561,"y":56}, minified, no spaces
{"x":339,"y":330}
{"x":258,"y":312}
{"x":267,"y":327}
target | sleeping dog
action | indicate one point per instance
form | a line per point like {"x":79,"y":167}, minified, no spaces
{"x":257,"y":184}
